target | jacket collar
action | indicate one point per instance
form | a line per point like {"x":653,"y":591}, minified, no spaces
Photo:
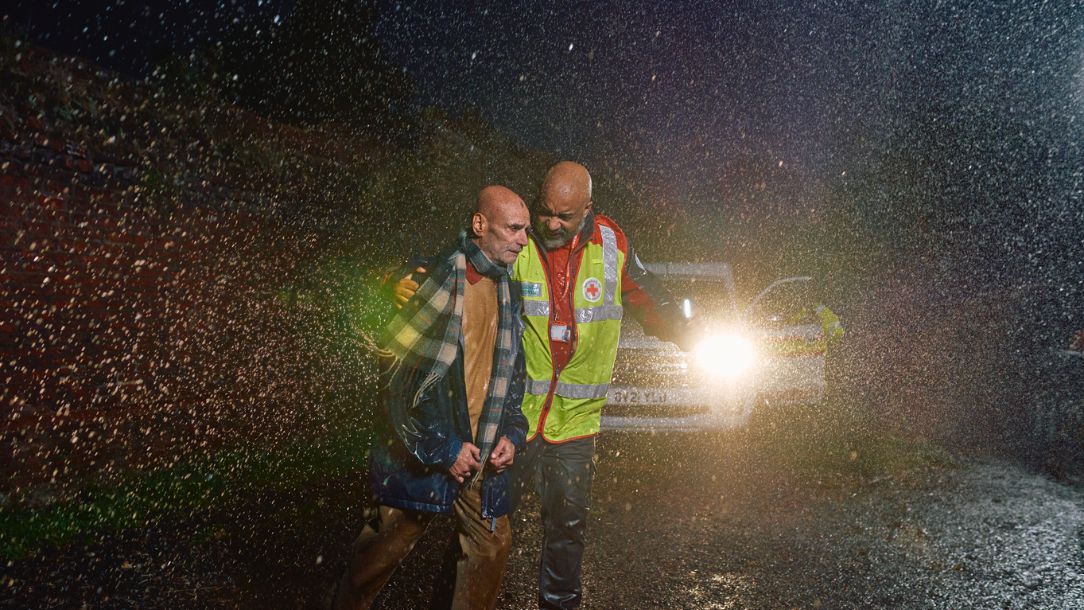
{"x":588,"y":230}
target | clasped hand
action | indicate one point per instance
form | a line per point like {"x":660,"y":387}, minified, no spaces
{"x":469,"y":460}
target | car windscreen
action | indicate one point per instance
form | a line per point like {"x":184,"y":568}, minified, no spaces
{"x":785,"y":304}
{"x":709,"y":297}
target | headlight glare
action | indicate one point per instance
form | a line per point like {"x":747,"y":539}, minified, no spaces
{"x":724,"y":355}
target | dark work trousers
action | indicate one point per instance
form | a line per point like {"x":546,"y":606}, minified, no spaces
{"x":561,"y":474}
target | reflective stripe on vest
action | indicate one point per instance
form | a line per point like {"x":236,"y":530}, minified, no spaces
{"x":603,"y":312}
{"x":581,"y":387}
{"x":536,"y":308}
{"x":568,"y":390}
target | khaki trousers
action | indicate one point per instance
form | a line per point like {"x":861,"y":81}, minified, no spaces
{"x":391,"y":534}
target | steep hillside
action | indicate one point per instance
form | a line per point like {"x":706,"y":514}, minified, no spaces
{"x":173,"y":270}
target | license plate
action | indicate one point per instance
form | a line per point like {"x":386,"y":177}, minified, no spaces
{"x":647,"y":396}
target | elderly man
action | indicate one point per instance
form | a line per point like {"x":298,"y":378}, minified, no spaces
{"x":578,"y":274}
{"x":453,"y":421}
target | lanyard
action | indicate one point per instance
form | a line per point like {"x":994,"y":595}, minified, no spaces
{"x":568,"y":266}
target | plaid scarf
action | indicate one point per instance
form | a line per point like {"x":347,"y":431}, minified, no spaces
{"x":424,"y":338}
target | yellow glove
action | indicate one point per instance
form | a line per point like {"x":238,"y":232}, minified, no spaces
{"x":405,"y":288}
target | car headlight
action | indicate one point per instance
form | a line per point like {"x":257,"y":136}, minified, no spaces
{"x":724,"y":355}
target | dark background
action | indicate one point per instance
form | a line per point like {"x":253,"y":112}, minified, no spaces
{"x":923,"y":160}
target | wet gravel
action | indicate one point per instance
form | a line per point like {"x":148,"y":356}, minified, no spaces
{"x":724,"y":529}
{"x":678,"y":521}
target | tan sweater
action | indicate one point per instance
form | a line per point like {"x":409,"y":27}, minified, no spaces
{"x":479,"y":339}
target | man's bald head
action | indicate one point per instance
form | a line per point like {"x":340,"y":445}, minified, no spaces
{"x":568,"y":178}
{"x":563,"y":203}
{"x":499,"y":223}
{"x":494,"y":197}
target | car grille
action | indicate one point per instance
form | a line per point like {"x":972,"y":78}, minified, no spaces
{"x":654,"y":410}
{"x":650,"y":368}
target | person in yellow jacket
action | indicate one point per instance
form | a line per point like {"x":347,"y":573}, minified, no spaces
{"x":831,"y":328}
{"x":830,"y":324}
{"x":578,"y":275}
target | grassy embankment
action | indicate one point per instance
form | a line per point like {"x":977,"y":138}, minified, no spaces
{"x":200,"y":486}
{"x":827,"y":444}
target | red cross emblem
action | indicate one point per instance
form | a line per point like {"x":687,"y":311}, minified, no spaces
{"x":592,"y":290}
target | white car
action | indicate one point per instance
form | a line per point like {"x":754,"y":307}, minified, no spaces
{"x":771,"y":351}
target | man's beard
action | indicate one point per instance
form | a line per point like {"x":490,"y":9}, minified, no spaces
{"x":562,"y":238}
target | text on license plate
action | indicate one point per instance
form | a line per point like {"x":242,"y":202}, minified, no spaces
{"x":645,"y":396}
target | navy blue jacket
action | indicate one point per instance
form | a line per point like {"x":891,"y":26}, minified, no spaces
{"x":408,"y":463}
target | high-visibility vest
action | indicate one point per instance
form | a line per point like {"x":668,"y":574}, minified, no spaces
{"x":830,"y":323}
{"x":801,"y":344}
{"x":578,"y":390}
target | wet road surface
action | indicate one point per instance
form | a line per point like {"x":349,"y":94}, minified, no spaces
{"x":718,"y":521}
{"x":696,"y":521}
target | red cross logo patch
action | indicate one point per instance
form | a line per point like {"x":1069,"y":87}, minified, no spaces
{"x":592,"y":290}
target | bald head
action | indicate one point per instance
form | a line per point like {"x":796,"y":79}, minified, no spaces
{"x":499,"y":223}
{"x":495,"y":197}
{"x":569,"y":179}
{"x":563,"y":203}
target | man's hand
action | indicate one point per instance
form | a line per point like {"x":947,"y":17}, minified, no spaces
{"x":695,"y":329}
{"x":468,"y":462}
{"x":405,"y":288}
{"x":503,"y":455}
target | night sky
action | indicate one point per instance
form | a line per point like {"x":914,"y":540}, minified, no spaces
{"x":683,"y":93}
{"x":687,"y":91}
